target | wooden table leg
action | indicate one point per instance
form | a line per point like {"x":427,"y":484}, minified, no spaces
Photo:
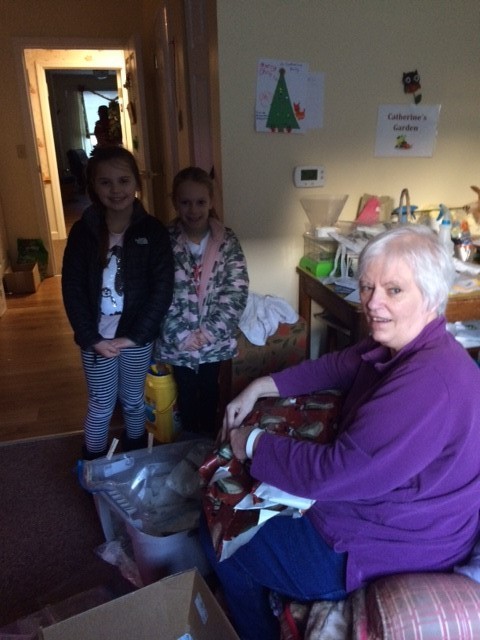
{"x":305,"y":311}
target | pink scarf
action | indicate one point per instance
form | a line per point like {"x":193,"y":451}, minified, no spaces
{"x":217,"y":231}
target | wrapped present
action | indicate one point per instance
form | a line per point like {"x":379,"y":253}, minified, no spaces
{"x":309,"y":417}
{"x":235,"y":504}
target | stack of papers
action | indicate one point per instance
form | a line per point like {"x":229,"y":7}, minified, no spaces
{"x":467,"y":333}
{"x":345,"y":286}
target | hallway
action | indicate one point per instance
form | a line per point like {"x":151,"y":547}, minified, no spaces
{"x":72,"y":211}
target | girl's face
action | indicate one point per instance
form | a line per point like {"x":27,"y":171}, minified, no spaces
{"x":192,"y":204}
{"x":392,"y":302}
{"x":115,"y":186}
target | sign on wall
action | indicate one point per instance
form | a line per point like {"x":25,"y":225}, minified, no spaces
{"x":406,"y":130}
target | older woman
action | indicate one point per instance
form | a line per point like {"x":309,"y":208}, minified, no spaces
{"x":399,"y":488}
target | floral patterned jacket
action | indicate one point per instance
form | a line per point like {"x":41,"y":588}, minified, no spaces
{"x":214,"y":307}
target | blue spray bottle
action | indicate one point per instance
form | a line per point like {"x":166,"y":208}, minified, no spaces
{"x":445,"y":231}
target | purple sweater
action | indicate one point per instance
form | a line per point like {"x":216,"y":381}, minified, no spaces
{"x":399,"y":489}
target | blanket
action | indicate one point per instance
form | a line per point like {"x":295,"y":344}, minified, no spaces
{"x":262,"y":315}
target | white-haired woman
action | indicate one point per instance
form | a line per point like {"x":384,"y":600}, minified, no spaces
{"x":399,"y":488}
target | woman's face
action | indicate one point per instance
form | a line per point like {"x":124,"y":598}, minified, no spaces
{"x":115,"y":186}
{"x":392,"y":302}
{"x":193,"y":204}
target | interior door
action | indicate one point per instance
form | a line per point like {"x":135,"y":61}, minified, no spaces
{"x":197,"y":46}
{"x":166,"y":93}
{"x":36,"y":62}
{"x":186,"y":52}
{"x":134,"y":103}
{"x":47,"y":162}
{"x":202,"y":53}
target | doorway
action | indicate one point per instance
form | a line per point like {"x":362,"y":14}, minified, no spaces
{"x":36,"y":63}
{"x":186,"y":77}
{"x":76,"y":97}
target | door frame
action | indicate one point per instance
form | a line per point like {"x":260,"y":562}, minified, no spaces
{"x":187,"y":85}
{"x":40,"y":147}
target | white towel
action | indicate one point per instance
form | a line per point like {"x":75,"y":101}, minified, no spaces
{"x":262,"y":315}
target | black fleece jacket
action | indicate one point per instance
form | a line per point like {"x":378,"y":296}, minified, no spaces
{"x":147,"y":271}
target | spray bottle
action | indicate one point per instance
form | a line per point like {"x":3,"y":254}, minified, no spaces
{"x":445,"y":231}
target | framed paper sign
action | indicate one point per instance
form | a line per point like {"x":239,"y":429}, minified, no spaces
{"x":406,"y":130}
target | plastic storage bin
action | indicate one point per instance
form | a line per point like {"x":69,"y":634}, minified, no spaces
{"x":318,"y":255}
{"x":152,"y":498}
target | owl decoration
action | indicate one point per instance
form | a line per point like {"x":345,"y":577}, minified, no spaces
{"x":411,"y":84}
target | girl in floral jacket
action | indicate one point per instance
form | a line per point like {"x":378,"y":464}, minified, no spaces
{"x":210,"y":294}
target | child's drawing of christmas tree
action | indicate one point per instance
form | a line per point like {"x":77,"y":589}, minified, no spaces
{"x":281,"y":116}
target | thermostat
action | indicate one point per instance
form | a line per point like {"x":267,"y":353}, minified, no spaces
{"x":309,"y":177}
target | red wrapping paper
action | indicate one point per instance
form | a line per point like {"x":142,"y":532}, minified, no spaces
{"x":310,"y":417}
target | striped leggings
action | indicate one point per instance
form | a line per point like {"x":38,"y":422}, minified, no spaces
{"x":109,"y":379}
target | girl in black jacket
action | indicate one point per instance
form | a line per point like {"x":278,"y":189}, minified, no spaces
{"x":117,"y":284}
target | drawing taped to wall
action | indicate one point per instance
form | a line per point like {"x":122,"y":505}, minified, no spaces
{"x":280,"y":86}
{"x":281,"y":116}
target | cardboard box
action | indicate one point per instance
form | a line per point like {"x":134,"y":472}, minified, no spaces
{"x":175,"y":608}
{"x":25,"y":278}
{"x":28,"y":627}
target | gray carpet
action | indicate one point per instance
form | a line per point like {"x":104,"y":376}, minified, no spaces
{"x":49,"y":529}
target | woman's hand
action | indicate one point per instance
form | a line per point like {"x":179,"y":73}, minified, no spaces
{"x":239,"y":408}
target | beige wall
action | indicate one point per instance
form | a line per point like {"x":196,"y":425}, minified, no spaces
{"x":363,"y":47}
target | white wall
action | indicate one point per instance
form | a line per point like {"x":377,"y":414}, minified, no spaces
{"x":363,"y":47}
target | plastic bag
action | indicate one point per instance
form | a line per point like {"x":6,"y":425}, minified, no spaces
{"x":33,"y":250}
{"x":114,"y":553}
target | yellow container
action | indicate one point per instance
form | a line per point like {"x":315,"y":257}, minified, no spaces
{"x":161,"y":405}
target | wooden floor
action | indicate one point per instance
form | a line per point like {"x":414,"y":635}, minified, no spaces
{"x":42,"y":387}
